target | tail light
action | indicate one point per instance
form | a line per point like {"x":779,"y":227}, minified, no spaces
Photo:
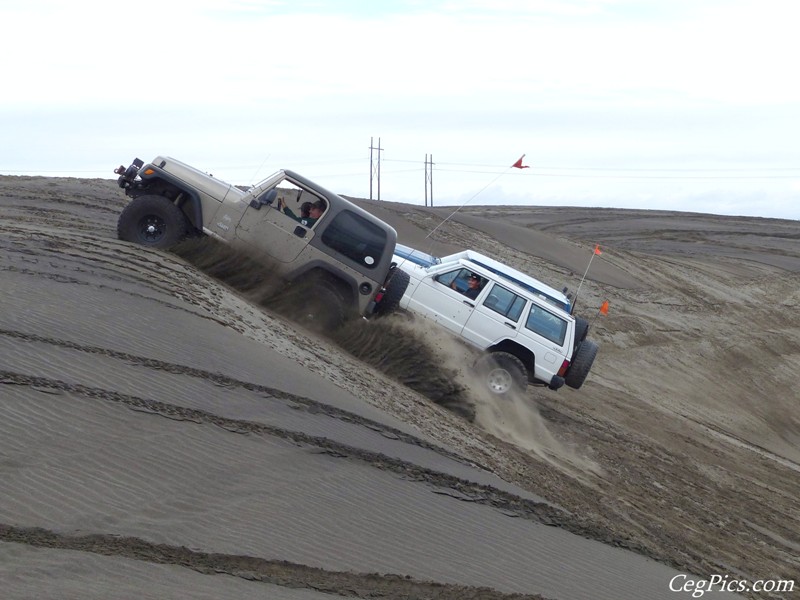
{"x":564,"y":367}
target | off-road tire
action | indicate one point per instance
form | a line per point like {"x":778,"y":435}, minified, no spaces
{"x":501,"y":373}
{"x":581,"y":330}
{"x":395,"y":288}
{"x":322,"y":310}
{"x":152,"y":221}
{"x":581,"y":364}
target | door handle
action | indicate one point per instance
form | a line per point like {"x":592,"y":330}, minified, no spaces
{"x":300,"y":231}
{"x":510,"y":325}
{"x":470,"y":304}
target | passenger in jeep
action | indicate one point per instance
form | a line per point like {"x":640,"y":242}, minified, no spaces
{"x":316,"y":211}
{"x":305,"y":209}
{"x":309,"y":213}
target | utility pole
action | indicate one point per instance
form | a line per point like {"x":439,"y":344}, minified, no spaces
{"x":428,"y":178}
{"x":375,"y":166}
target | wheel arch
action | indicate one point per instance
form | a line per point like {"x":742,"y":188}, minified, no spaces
{"x":320,"y":272}
{"x":163,"y":184}
{"x":521,"y":352}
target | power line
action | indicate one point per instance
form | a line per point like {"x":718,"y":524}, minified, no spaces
{"x":633,"y":173}
{"x":675,"y":173}
{"x":557,"y":168}
{"x":534,"y":173}
{"x":678,"y":169}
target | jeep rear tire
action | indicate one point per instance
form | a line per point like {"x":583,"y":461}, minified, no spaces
{"x":395,"y":288}
{"x":581,"y":364}
{"x":322,"y":310}
{"x":152,"y":221}
{"x":502,"y":373}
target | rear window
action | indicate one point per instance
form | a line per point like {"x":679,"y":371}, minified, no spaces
{"x":355,"y":237}
{"x":546,"y":324}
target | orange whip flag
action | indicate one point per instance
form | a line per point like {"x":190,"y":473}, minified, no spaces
{"x":519,"y":164}
{"x":595,"y":253}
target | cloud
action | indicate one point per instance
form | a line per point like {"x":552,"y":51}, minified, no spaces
{"x":593,"y":89}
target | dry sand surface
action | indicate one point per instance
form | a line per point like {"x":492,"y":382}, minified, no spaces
{"x":164,"y":434}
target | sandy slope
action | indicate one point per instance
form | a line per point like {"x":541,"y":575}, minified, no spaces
{"x":157,"y":426}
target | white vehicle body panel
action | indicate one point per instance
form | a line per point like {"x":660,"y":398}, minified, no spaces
{"x":480,"y":323}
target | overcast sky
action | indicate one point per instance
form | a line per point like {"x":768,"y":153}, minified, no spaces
{"x":663,"y":104}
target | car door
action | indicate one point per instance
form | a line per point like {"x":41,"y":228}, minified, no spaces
{"x":270,"y":230}
{"x":496,"y":316}
{"x":435,"y":299}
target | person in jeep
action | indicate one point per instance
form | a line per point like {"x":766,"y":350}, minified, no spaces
{"x":305,"y":212}
{"x":316,"y":210}
{"x":309,"y":213}
{"x":473,"y":286}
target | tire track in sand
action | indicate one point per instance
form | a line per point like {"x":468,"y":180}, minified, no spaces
{"x":464,"y":490}
{"x":449,"y":484}
{"x":276,"y":572}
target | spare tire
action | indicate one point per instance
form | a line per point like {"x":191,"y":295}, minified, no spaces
{"x":581,"y":331}
{"x":581,"y":364}
{"x":395,"y":286}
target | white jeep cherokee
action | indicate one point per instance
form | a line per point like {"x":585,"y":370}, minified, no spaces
{"x":524,"y":326}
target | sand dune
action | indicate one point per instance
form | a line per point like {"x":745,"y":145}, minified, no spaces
{"x":162,"y":435}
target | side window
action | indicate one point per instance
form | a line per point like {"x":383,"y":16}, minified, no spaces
{"x":358,"y":239}
{"x":455,"y":279}
{"x":505,"y":302}
{"x":297,"y":204}
{"x":287,"y":194}
{"x":464,"y":282}
{"x":448,"y":278}
{"x":546,"y":324}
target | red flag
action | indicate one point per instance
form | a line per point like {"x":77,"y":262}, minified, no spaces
{"x":597,"y":249}
{"x":519,"y":164}
{"x":604,"y":308}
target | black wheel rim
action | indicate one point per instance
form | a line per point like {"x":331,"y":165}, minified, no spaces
{"x":151,"y":228}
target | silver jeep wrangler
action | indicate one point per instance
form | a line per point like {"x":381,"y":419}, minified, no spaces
{"x":343,"y":258}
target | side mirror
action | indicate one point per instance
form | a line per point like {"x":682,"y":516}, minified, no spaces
{"x":267,"y":198}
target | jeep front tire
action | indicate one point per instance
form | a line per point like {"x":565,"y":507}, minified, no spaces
{"x":152,"y":221}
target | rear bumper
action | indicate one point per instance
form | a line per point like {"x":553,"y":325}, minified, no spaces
{"x":556,"y":382}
